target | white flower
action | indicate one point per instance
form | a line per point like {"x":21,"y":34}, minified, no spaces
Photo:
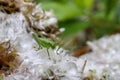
{"x":102,"y":63}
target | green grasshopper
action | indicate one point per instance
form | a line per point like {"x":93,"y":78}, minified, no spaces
{"x":44,"y":43}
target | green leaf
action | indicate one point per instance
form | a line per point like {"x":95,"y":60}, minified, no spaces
{"x":79,"y":3}
{"x":84,"y":4}
{"x":117,"y":14}
{"x":63,"y":11}
{"x":88,"y":3}
{"x":99,"y":31}
{"x":110,"y":4}
{"x":73,"y":27}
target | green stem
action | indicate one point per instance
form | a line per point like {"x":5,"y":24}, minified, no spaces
{"x":48,"y":54}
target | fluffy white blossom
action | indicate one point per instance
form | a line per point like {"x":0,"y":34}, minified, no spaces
{"x":104,"y":60}
{"x":35,"y":63}
{"x":103,"y":63}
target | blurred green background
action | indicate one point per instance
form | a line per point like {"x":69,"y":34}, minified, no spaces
{"x":84,"y":20}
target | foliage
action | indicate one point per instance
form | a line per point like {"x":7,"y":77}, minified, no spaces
{"x":78,"y":15}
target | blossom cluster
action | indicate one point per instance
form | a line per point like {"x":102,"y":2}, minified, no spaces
{"x":102,"y":63}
